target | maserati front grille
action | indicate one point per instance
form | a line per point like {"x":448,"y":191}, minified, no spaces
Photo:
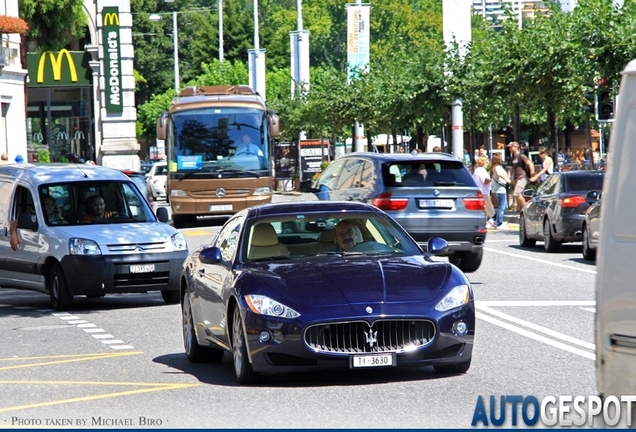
{"x":359,"y":337}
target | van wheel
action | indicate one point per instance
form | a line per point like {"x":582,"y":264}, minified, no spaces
{"x":171,"y":297}
{"x":61,"y":297}
{"x":589,"y":254}
{"x":550,"y":244}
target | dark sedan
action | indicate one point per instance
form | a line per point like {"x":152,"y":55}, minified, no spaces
{"x":554,"y":214}
{"x":276,"y":290}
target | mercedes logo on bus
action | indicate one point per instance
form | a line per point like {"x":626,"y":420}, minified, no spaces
{"x":220,"y":193}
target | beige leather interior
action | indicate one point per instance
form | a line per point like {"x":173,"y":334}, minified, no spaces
{"x":264,"y":243}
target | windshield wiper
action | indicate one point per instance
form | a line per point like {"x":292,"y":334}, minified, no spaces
{"x":272,"y":258}
{"x":238,"y":171}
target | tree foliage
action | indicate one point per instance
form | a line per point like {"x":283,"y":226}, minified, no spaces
{"x":53,"y":23}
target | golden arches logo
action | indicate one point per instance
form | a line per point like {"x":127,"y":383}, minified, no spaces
{"x":111,"y":18}
{"x":56,"y":65}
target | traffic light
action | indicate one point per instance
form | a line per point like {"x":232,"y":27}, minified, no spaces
{"x":589,"y":104}
{"x":604,"y":102}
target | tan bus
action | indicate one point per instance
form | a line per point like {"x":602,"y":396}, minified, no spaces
{"x":219,"y":151}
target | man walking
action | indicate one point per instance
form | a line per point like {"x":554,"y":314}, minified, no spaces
{"x":521,"y":169}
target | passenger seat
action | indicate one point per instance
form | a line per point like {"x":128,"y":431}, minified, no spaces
{"x":264,"y":243}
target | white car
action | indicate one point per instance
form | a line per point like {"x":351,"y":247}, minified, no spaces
{"x":157,"y":180}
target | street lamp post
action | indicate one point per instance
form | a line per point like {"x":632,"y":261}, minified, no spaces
{"x":175,"y":39}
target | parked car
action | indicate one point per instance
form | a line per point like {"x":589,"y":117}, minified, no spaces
{"x":554,"y":212}
{"x":157,"y":180}
{"x":145,"y":168}
{"x":273,"y":289}
{"x":64,"y":254}
{"x":429,"y":194}
{"x":591,"y":226}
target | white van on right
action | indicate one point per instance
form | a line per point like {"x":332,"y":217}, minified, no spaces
{"x":615,"y":324}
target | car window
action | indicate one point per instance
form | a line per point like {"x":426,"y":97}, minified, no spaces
{"x":329,"y":175}
{"x":426,"y":173}
{"x":228,"y":238}
{"x":123,"y":202}
{"x":549,"y":185}
{"x":349,"y":175}
{"x":584,"y":182}
{"x":5,"y":193}
{"x":366,"y":174}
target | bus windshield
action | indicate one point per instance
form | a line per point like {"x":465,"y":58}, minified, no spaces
{"x":219,"y":140}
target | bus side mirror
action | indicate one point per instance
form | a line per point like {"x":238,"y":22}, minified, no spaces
{"x":162,"y":121}
{"x":273,"y":124}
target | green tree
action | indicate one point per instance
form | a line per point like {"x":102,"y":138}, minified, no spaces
{"x":53,"y":23}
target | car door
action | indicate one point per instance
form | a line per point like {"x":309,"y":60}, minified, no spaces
{"x":212,"y":280}
{"x":20,"y":268}
{"x":536,"y":207}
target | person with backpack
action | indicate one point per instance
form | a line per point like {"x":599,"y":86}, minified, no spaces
{"x":521,"y":170}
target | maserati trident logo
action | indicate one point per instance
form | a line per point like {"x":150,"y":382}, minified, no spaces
{"x":220,"y":193}
{"x":371,"y":337}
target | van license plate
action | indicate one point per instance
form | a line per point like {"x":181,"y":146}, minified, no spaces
{"x":437,"y":203}
{"x":225,"y":207}
{"x":148,"y":268}
{"x":373,"y":360}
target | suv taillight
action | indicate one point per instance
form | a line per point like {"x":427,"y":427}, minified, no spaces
{"x":475,"y":203}
{"x":385,"y":202}
{"x":573,"y":201}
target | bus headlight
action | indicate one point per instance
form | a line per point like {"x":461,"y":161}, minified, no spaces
{"x":263,"y":190}
{"x":178,"y":192}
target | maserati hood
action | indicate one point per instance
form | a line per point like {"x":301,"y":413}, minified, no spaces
{"x":350,"y":281}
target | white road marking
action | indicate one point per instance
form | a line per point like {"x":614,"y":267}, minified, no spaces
{"x":88,"y":327}
{"x":534,"y":336}
{"x":534,"y":303}
{"x":536,"y":327}
{"x":569,"y":267}
{"x":593,"y":310}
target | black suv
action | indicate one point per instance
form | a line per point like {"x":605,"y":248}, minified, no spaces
{"x":429,"y":194}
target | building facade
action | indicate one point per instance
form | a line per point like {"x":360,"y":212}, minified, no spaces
{"x":13,"y":140}
{"x":81,"y":102}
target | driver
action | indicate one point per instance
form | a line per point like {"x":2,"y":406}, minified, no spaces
{"x":96,"y":210}
{"x":345,"y":236}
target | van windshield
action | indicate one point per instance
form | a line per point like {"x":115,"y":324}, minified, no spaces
{"x":219,"y":140}
{"x":78,"y":203}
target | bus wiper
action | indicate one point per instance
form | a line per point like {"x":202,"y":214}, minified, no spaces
{"x":238,"y":171}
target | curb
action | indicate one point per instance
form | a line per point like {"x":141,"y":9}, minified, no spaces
{"x":511,"y":217}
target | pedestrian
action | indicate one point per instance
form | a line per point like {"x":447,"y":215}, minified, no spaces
{"x":482,"y":179}
{"x":437,"y":149}
{"x":499,"y":188}
{"x":547,"y":166}
{"x":521,"y":170}
{"x":19,"y":159}
{"x":4,"y":159}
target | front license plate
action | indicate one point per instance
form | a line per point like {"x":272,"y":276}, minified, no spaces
{"x":437,"y":203}
{"x":148,"y":268}
{"x":372,"y":360}
{"x":224,"y":207}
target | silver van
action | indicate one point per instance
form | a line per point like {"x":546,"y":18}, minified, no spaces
{"x":54,"y":242}
{"x":615,"y":290}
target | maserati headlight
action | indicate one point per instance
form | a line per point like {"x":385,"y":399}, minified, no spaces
{"x":79,"y":246}
{"x":266,"y":306}
{"x":179,"y":242}
{"x":458,"y":296}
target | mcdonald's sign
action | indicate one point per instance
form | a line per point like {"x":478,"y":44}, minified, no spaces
{"x":112,"y":59}
{"x":111,"y":18}
{"x":58,"y":69}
